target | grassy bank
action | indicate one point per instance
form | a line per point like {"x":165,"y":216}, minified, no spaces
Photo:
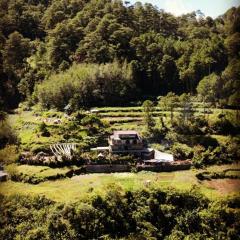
{"x":84,"y":186}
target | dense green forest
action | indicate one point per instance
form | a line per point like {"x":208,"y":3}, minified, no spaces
{"x":144,"y":214}
{"x":92,"y":52}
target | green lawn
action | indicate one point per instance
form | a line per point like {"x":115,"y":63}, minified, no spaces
{"x":233,"y":173}
{"x":218,"y":168}
{"x":85,"y":186}
{"x":42,"y":171}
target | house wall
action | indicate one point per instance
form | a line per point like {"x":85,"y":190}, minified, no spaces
{"x":129,"y":146}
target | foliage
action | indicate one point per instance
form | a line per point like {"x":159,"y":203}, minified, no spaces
{"x":151,"y":214}
{"x":88,"y":84}
{"x":39,"y":39}
{"x":43,"y":130}
{"x":182,"y":151}
{"x":92,"y":122}
{"x":9,"y":154}
{"x":148,"y":109}
{"x":36,"y":174}
{"x":229,"y":174}
{"x":7,"y":135}
{"x":222,"y":154}
{"x":169,"y":102}
{"x":223,"y":126}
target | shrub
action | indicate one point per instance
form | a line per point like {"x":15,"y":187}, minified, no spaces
{"x":7,"y":135}
{"x":123,"y":159}
{"x":141,"y":214}
{"x":158,"y":134}
{"x":43,"y":130}
{"x":9,"y":154}
{"x":188,"y":127}
{"x":182,"y":151}
{"x":198,"y":156}
{"x":233,"y":149}
{"x":93,"y":123}
{"x":223,"y":126}
{"x":40,"y":148}
{"x":205,"y":141}
{"x":79,"y":115}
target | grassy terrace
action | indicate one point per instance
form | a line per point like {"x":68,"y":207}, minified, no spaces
{"x":135,"y":114}
{"x":119,"y":118}
{"x":41,"y":171}
{"x":84,"y":186}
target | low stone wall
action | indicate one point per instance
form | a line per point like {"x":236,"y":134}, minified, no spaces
{"x":164,"y":167}
{"x":107,"y":168}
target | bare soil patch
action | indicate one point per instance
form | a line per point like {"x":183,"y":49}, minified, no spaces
{"x":224,"y":186}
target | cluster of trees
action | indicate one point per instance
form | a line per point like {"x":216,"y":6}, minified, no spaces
{"x":188,"y":132}
{"x":41,"y":38}
{"x":86,"y":85}
{"x":144,"y":214}
{"x":7,"y":133}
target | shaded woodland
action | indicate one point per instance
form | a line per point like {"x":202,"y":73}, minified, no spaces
{"x":110,"y":53}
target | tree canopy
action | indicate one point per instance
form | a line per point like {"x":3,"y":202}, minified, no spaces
{"x":40,"y":39}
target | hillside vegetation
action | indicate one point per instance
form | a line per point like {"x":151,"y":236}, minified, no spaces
{"x":109,"y":53}
{"x":74,"y":71}
{"x":142,"y":214}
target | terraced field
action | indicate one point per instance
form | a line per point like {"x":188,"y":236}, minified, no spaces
{"x":131,"y":118}
{"x":85,"y":186}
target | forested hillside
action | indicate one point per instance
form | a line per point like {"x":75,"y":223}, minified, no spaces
{"x":103,"y":52}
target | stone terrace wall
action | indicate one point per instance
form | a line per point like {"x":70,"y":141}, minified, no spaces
{"x":164,"y":168}
{"x":107,"y":168}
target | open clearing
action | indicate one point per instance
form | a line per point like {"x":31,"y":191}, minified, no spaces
{"x":85,"y":186}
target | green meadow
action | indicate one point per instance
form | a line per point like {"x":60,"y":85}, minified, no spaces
{"x":82,"y":187}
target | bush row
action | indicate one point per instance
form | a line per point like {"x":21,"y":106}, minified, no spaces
{"x":143,"y":214}
{"x":217,"y":175}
